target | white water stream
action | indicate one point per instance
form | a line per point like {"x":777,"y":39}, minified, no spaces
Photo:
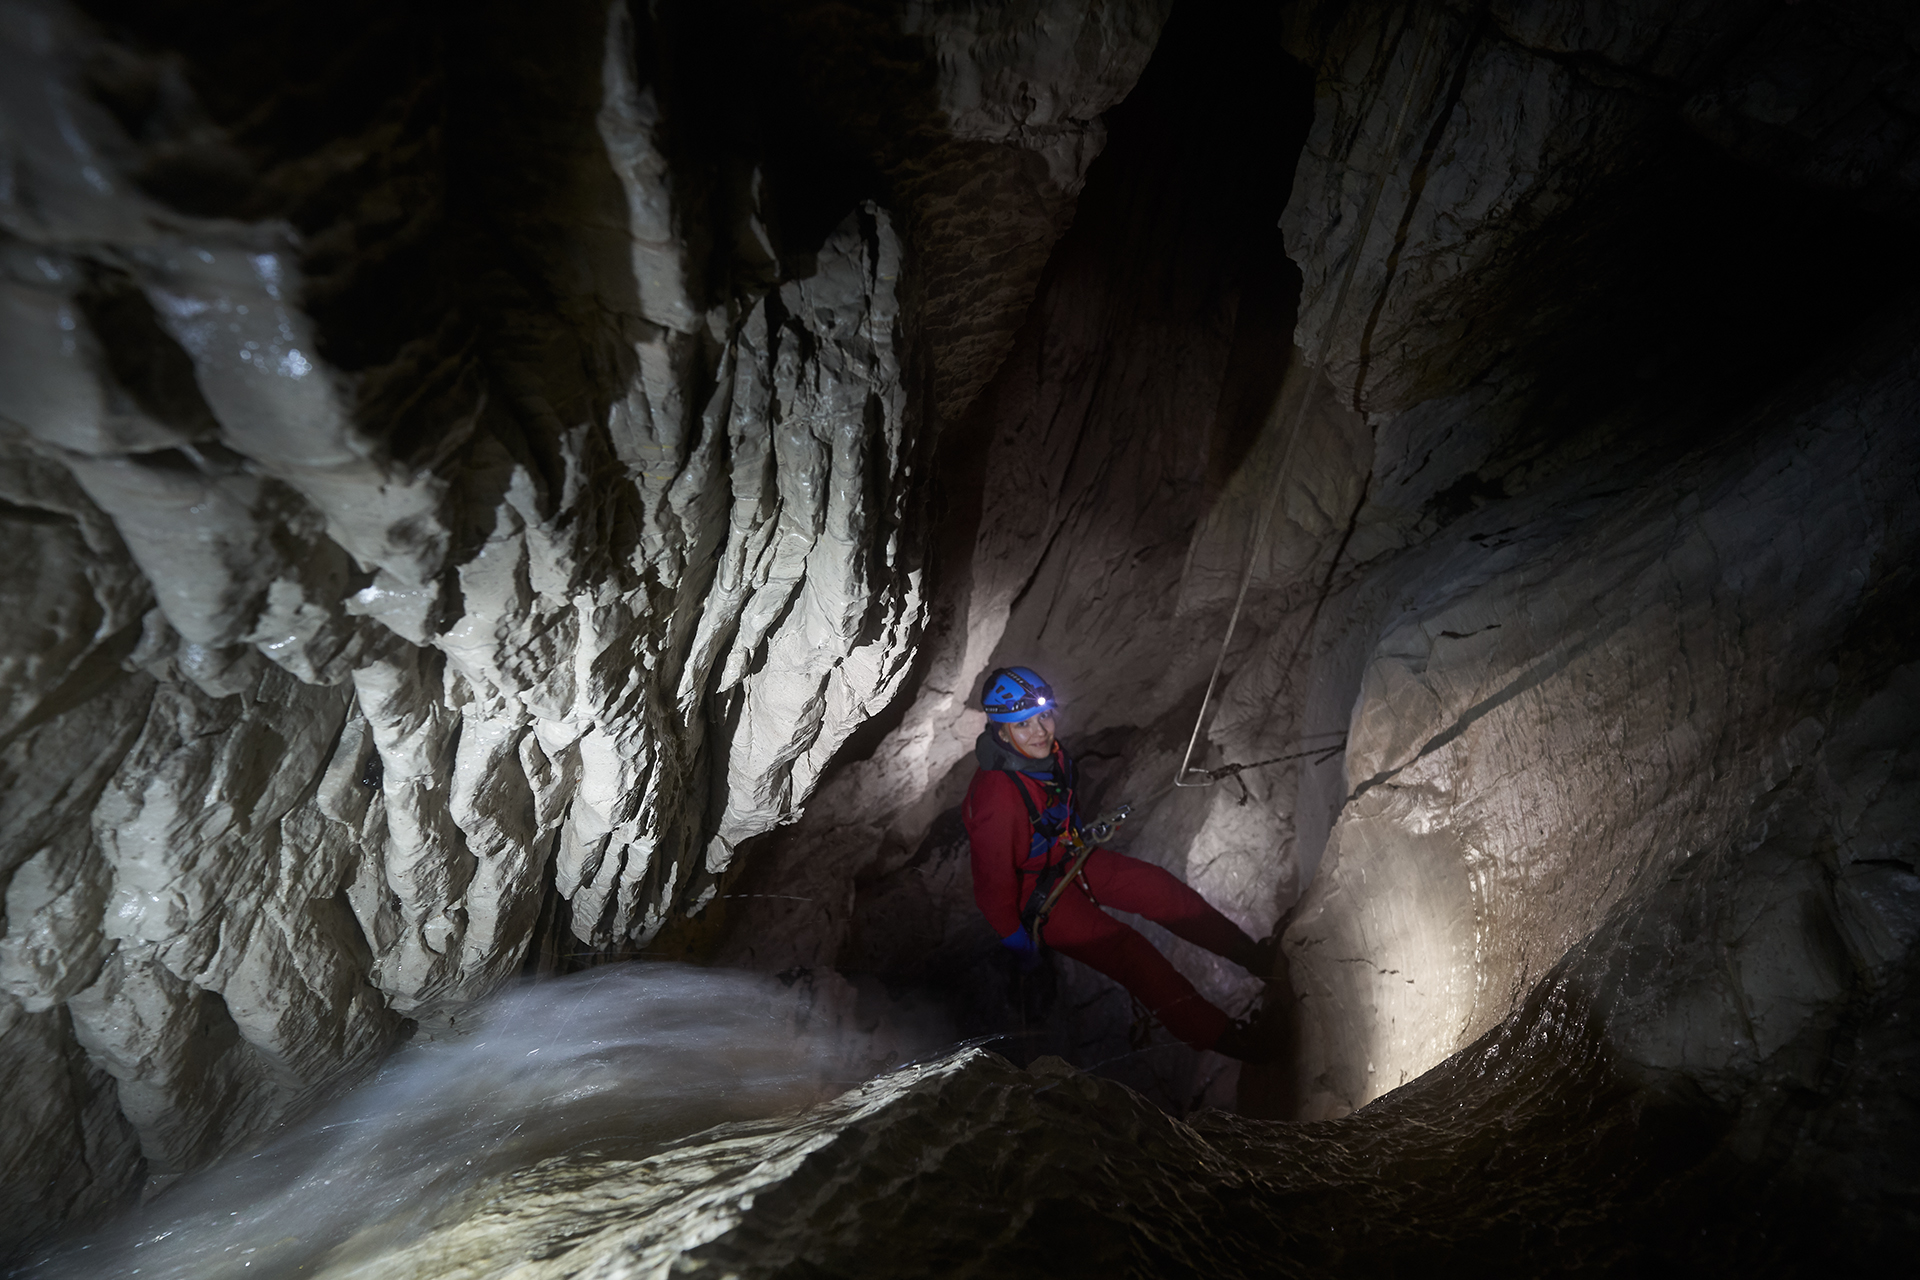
{"x":617,"y":1061}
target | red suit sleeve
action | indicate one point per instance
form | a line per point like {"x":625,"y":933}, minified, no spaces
{"x":1000,"y":836}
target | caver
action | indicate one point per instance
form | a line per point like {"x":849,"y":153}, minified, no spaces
{"x":1026,"y":830}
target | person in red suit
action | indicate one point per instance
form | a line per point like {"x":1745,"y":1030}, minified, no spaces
{"x":1018,"y":812}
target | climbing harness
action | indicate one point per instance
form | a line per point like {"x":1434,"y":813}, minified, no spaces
{"x":1056,"y":820}
{"x":1257,"y":536}
{"x":1100,"y":830}
{"x":1052,"y":828}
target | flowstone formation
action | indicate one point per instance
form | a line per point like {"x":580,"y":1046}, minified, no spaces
{"x":986,"y":1170}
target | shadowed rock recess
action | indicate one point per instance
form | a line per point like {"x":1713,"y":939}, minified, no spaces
{"x":498,"y":489}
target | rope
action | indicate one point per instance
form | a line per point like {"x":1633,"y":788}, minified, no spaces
{"x":1258,"y":534}
{"x":1325,"y":754}
{"x":1320,"y":755}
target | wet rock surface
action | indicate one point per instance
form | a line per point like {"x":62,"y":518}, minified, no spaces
{"x":449,"y":486}
{"x":1574,"y":583}
{"x":553,"y":486}
{"x":1532,"y":1156}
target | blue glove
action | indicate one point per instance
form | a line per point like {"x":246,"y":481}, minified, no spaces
{"x":1021,"y":943}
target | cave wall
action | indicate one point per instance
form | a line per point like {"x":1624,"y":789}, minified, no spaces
{"x":1563,"y":502}
{"x":1095,"y":451}
{"x":1663,"y":493}
{"x":1609,"y":691}
{"x":485,"y":470}
{"x":465,"y":461}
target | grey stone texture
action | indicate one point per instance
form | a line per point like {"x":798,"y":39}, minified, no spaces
{"x":408,"y":536}
{"x":1580,"y":598}
{"x":576,"y":490}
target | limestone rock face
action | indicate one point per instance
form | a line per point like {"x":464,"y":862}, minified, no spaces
{"x":1652,"y":647}
{"x":567,"y":472}
{"x":1095,"y":451}
{"x":1020,"y":92}
{"x":1580,"y":566}
{"x":1531,"y":666}
{"x":422,"y":516}
{"x":1467,"y":163}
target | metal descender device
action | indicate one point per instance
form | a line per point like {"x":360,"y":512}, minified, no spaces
{"x":1083,"y":841}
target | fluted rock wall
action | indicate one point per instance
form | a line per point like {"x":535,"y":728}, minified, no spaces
{"x":1071,"y":498}
{"x":1587,"y":469}
{"x":447,"y":476}
{"x":508,"y":458}
{"x":1609,"y":691}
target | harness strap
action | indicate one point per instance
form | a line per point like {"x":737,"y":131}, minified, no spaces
{"x":1033,"y":811}
{"x":1051,"y":873}
{"x":1033,"y":814}
{"x":1037,"y":900}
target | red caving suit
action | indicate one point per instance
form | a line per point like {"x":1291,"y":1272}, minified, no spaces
{"x":1005,"y":871}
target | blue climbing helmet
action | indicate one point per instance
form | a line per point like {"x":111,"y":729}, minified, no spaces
{"x":1014,"y":694}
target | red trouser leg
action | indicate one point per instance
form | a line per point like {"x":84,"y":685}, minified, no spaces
{"x":1081,"y":930}
{"x":1128,"y":884}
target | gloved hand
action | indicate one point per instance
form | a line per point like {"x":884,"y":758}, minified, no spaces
{"x":1021,"y":943}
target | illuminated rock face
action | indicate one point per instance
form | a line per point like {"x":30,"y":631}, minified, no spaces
{"x":523,"y":491}
{"x":423,"y":514}
{"x":1591,"y":562}
{"x":1681,"y":649}
{"x":1565,"y":571}
{"x":1601,"y":670}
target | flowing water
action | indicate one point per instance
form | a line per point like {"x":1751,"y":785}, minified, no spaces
{"x":1531,"y":1152}
{"x":617,"y":1061}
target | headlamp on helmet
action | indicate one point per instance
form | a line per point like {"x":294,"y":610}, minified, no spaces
{"x":1014,"y":694}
